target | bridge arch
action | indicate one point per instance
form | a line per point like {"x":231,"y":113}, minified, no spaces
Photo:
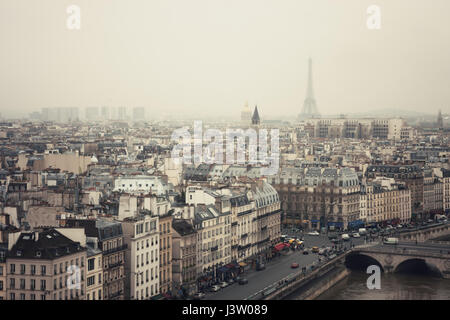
{"x":360,"y":261}
{"x":418,"y":266}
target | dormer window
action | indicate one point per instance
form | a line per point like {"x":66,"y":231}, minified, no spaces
{"x":19,"y":253}
{"x":38,"y":253}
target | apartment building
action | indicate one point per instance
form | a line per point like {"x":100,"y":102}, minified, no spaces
{"x":94,"y":271}
{"x":213,"y":229}
{"x":244,"y":227}
{"x":165,"y":252}
{"x":3,"y":251}
{"x":45,"y":265}
{"x":445,"y":190}
{"x":383,"y":200}
{"x":411,"y":175}
{"x":184,"y":256}
{"x":109,"y":237}
{"x":141,"y":235}
{"x":318,"y":197}
{"x":268,"y":217}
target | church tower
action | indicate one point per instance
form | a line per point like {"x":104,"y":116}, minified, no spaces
{"x":255,"y":118}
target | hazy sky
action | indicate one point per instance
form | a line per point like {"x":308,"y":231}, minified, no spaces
{"x":210,"y":56}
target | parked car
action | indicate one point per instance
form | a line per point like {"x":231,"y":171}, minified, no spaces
{"x":362,"y":231}
{"x":199,"y":296}
{"x":294,"y":265}
{"x":356,"y":235}
{"x":315,"y":249}
{"x":313,"y":233}
{"x":243,"y":281}
{"x":215,"y":288}
{"x":224,"y":284}
{"x":231,"y":281}
{"x":306,"y":251}
{"x":260,"y":266}
{"x":345,"y":237}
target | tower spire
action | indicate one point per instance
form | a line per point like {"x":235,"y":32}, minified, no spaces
{"x":309,"y":105}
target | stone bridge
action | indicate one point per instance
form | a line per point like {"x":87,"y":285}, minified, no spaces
{"x":396,"y":258}
{"x":424,"y":233}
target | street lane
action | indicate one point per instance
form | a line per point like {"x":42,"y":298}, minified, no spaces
{"x":276,"y":270}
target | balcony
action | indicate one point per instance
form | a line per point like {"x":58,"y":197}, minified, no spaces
{"x":114,"y":265}
{"x":117,"y":249}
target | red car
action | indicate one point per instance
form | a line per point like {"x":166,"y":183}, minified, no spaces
{"x":294,"y":265}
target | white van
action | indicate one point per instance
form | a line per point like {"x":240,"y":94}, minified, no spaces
{"x":390,"y":241}
{"x":345,"y":237}
{"x":362,"y":231}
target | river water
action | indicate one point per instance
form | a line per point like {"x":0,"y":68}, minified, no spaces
{"x":395,"y":286}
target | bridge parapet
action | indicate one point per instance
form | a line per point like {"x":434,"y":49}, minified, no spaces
{"x":391,"y":257}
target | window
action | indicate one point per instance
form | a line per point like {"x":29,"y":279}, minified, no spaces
{"x":43,"y":285}
{"x":91,"y":281}
{"x":12,"y":283}
{"x":12,"y":268}
{"x":22,"y":284}
{"x":1,"y":285}
{"x":43,"y":270}
{"x":91,"y":264}
{"x":32,"y":284}
{"x":22,"y":269}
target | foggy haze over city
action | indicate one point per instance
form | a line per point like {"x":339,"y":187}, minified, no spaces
{"x":207,"y":58}
{"x":243,"y":153}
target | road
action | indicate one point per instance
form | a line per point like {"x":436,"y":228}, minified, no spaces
{"x":280,"y":267}
{"x":275,"y":270}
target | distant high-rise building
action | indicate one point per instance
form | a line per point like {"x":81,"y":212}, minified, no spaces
{"x":60,"y":114}
{"x":105,"y":113}
{"x":440,"y":120}
{"x":246,"y":114}
{"x":92,"y":113}
{"x":255,"y":118}
{"x":121,"y":113}
{"x":309,"y":105}
{"x":139,"y":114}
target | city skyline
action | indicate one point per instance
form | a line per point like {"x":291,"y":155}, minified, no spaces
{"x":206,"y":58}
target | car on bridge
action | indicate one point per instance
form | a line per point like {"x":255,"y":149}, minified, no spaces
{"x":390,"y":241}
{"x":243,"y":281}
{"x":313,"y":233}
{"x":294,"y":265}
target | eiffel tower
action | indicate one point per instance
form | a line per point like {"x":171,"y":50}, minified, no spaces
{"x":309,"y":105}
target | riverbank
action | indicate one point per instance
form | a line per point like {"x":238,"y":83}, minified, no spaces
{"x":315,"y":287}
{"x":394,"y":286}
